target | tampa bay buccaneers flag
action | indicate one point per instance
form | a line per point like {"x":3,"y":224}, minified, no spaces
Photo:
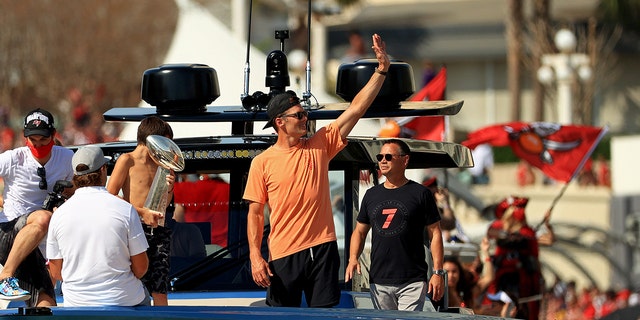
{"x":423,"y":128}
{"x":435,"y":89}
{"x":559,"y":151}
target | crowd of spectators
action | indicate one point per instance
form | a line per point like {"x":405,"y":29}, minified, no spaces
{"x":565,"y":302}
{"x":594,"y":173}
{"x":561,"y":300}
{"x":78,"y":122}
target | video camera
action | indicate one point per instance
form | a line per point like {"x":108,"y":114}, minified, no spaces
{"x":55,"y":198}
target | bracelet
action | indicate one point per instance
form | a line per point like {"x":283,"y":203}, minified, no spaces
{"x":378,"y":71}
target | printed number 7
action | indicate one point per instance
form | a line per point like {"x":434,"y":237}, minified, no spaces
{"x":390,"y":213}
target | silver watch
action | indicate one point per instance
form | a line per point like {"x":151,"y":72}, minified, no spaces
{"x":440,"y":272}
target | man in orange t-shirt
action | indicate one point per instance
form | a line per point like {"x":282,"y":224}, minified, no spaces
{"x":292,"y":178}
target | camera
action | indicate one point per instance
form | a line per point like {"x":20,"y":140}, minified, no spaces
{"x":55,"y":198}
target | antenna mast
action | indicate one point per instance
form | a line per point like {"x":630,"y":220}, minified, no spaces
{"x":307,"y":94}
{"x":247,"y":68}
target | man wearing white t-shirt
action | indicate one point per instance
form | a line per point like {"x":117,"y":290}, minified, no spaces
{"x":483,"y":160}
{"x":96,"y":244}
{"x":29,"y":174}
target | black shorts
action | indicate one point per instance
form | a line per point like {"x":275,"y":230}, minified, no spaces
{"x":156,"y":280}
{"x":313,"y":271}
{"x":32,"y":273}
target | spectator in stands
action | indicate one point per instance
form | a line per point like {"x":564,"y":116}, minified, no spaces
{"x":587,"y":176}
{"x":428,"y":72}
{"x":483,"y":163}
{"x":447,"y":216}
{"x":609,"y":304}
{"x":449,"y":221}
{"x":465,"y":285}
{"x":525,"y":174}
{"x":357,"y":48}
{"x":518,"y":276}
{"x":604,"y":172}
{"x":459,"y":281}
{"x":204,"y":200}
{"x":7,"y":134}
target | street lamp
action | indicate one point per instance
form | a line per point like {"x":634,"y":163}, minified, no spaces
{"x":563,"y":67}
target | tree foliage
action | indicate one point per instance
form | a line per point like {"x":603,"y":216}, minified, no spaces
{"x":347,"y":2}
{"x":620,"y":12}
{"x":100,"y":48}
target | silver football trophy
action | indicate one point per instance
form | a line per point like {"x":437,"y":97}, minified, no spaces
{"x":167,"y":155}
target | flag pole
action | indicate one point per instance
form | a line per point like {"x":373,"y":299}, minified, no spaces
{"x":575,"y":173}
{"x":547,"y":215}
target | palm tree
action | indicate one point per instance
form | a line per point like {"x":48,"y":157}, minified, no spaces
{"x":514,"y":27}
{"x":541,"y":29}
{"x":596,"y":37}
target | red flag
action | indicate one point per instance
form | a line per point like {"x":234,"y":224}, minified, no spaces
{"x":559,"y":151}
{"x":423,"y":128}
{"x":435,"y":89}
{"x":427,"y":128}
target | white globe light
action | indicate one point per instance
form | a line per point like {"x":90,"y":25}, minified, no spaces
{"x":545,"y":75}
{"x":297,"y":60}
{"x":585,"y":73}
{"x":565,"y":41}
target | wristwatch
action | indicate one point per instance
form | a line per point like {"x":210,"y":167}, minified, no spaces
{"x":440,"y":272}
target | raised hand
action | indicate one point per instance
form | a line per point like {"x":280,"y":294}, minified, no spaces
{"x":380,"y":49}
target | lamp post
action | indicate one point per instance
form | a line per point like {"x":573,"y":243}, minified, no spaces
{"x":563,"y":67}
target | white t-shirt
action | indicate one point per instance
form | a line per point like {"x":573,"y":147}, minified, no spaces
{"x":95,"y":234}
{"x":482,"y":158}
{"x":19,"y":170}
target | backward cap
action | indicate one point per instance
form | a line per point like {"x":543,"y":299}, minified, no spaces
{"x":279,"y":104}
{"x":91,"y":156}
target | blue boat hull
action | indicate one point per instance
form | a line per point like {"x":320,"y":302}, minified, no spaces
{"x":228,"y":305}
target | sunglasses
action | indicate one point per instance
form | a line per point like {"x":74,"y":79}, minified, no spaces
{"x":42,"y":173}
{"x":298,"y":115}
{"x":388,"y":156}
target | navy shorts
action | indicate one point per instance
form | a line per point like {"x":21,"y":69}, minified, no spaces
{"x":313,"y":271}
{"x":156,"y":280}
{"x":32,"y":273}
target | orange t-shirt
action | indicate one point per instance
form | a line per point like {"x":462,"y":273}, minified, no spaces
{"x":295,"y":184}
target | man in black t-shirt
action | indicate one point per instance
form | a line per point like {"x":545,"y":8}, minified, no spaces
{"x":398,"y":211}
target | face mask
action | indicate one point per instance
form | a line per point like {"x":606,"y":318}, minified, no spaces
{"x":42,"y":151}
